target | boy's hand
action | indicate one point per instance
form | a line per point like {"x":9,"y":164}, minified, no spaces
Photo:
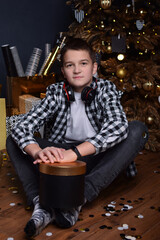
{"x":52,"y":154}
{"x":49,"y":155}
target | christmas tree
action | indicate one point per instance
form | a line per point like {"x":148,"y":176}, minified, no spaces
{"x":126,"y":38}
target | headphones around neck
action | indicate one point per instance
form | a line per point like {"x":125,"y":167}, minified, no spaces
{"x":87,"y":94}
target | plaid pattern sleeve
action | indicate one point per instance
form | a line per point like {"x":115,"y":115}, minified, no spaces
{"x":23,"y":131}
{"x":110,"y":119}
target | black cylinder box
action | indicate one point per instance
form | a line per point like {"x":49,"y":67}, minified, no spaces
{"x":62,"y":184}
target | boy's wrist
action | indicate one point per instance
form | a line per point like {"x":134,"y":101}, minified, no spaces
{"x":75,"y":150}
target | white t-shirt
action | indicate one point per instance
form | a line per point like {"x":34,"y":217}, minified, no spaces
{"x":79,"y":127}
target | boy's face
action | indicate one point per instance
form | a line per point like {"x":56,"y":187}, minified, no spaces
{"x":78,"y":69}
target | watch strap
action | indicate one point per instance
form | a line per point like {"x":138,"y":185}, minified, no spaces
{"x":76,"y":151}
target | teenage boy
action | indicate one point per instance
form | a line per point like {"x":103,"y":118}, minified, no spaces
{"x":89,"y":124}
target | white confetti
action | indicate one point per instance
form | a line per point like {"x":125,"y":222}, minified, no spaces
{"x":120,"y":228}
{"x":108,"y":214}
{"x":10,"y":238}
{"x":130,"y":237}
{"x":111,"y":205}
{"x":12,"y":204}
{"x":113,"y":202}
{"x":15,"y":191}
{"x":112,"y":211}
{"x":140,"y":216}
{"x":48,"y":234}
{"x":125,"y":226}
{"x":128,"y":206}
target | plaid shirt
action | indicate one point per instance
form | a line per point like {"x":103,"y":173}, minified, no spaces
{"x":105,"y":113}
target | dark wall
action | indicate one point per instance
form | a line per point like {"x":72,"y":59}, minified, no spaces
{"x":30,"y":23}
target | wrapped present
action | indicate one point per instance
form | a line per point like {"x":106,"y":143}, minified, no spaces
{"x":26,"y":102}
{"x":11,"y":121}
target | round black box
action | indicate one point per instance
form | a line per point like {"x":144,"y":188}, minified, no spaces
{"x":62,"y":185}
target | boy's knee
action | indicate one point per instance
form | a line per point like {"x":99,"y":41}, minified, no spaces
{"x":138,"y":129}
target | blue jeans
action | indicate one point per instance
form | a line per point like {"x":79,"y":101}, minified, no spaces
{"x":102,"y":168}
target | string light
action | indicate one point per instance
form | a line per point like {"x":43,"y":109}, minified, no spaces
{"x":120,"y":57}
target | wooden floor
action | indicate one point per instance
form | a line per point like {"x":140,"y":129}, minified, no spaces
{"x":141,"y":215}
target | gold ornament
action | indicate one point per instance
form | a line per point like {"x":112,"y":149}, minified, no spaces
{"x":105,"y":4}
{"x":121,"y":72}
{"x":148,"y":86}
{"x":109,"y":48}
{"x":142,"y":13}
{"x":149,"y":120}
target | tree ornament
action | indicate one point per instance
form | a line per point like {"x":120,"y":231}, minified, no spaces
{"x":109,"y":48}
{"x":149,"y":120}
{"x":142,"y":13}
{"x":148,"y":86}
{"x":105,"y":4}
{"x":121,"y":72}
{"x":139,"y":24}
{"x":79,"y":15}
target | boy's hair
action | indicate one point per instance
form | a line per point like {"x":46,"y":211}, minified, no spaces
{"x":77,"y":44}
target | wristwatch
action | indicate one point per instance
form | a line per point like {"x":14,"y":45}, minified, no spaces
{"x":77,"y":152}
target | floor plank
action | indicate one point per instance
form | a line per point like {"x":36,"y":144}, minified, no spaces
{"x":141,"y":194}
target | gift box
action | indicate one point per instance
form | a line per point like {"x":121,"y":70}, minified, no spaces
{"x":11,"y":121}
{"x":26,"y":102}
{"x":65,"y":184}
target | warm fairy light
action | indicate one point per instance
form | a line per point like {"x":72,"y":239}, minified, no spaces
{"x":129,"y":33}
{"x":143,"y":33}
{"x":137,"y":41}
{"x":112,"y":29}
{"x":120,"y":57}
{"x":114,"y":20}
{"x":140,"y":53}
{"x":102,"y":24}
{"x":103,"y":43}
{"x":156,"y":34}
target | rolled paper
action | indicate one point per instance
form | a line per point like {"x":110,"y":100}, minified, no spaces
{"x":53,"y":57}
{"x":9,"y":62}
{"x":44,"y":64}
{"x":17,"y":61}
{"x":47,"y":49}
{"x":33,"y":62}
